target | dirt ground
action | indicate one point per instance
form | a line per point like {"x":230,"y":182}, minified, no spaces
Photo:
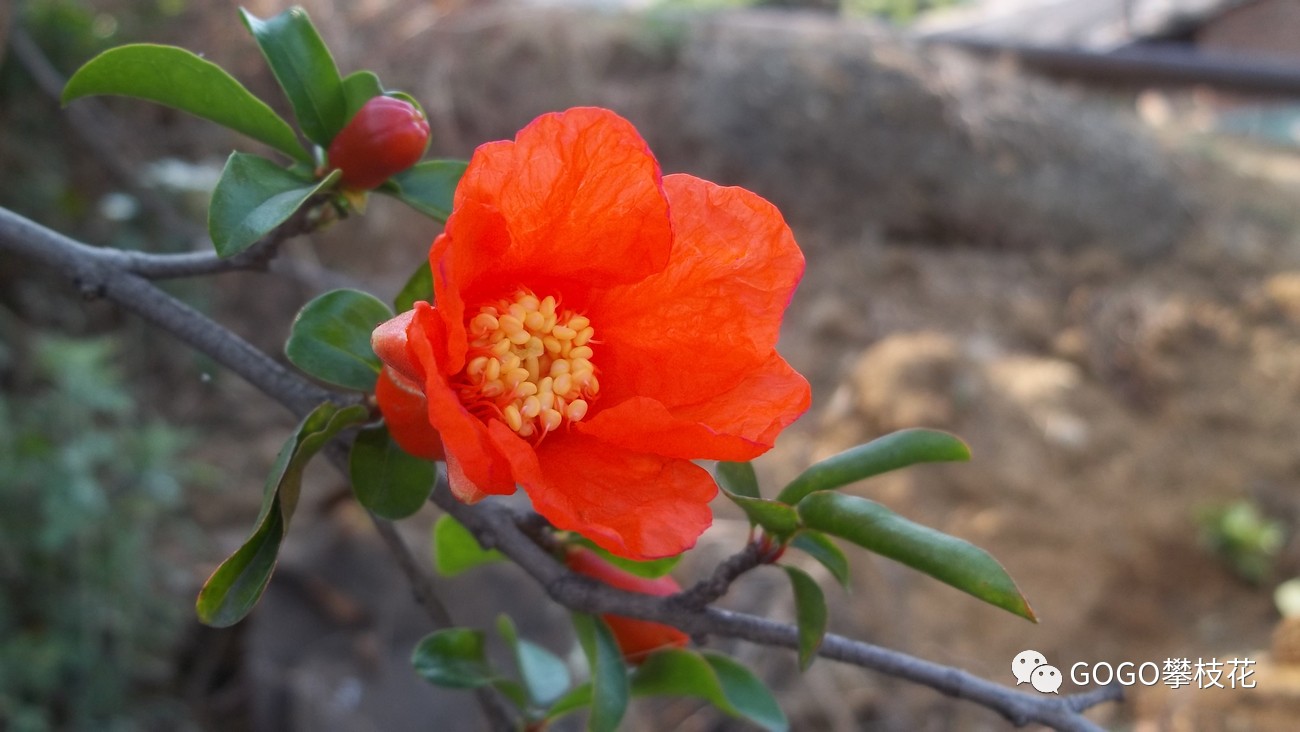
{"x":1111,"y":395}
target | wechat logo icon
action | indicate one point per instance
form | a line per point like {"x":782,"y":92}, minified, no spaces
{"x":1031,"y":667}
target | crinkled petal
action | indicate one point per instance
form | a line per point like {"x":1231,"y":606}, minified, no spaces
{"x":633,"y":504}
{"x":406,"y":414}
{"x":470,"y":453}
{"x":714,"y":313}
{"x":739,"y":423}
{"x":575,"y":198}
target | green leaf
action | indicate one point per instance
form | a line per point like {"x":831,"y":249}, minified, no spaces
{"x":820,"y":547}
{"x":359,"y":87}
{"x":330,"y":338}
{"x":427,"y":187}
{"x":608,"y":674}
{"x":776,"y":518}
{"x":453,"y":658}
{"x":455,"y":549}
{"x":810,"y":614}
{"x":387,"y":480}
{"x":578,"y":698}
{"x":712,"y":677}
{"x":545,"y":675}
{"x":182,"y":80}
{"x":948,"y":559}
{"x":891,"y":452}
{"x":650,"y":569}
{"x":234,"y":588}
{"x":253,"y":196}
{"x":744,"y":690}
{"x":738,"y":479}
{"x":418,"y":288}
{"x":305,"y":69}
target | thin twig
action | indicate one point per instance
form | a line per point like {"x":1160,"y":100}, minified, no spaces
{"x":710,"y":590}
{"x":499,"y":526}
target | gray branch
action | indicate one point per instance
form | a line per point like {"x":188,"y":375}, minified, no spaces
{"x":101,"y":272}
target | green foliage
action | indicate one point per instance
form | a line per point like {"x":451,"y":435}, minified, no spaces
{"x":177,"y":78}
{"x":455,"y":549}
{"x":253,"y":197}
{"x":946,"y":558}
{"x":545,"y":675}
{"x":609,"y":684}
{"x":385,"y":478}
{"x":810,"y":614}
{"x":428,"y":187}
{"x":330,"y":338}
{"x":1243,"y":537}
{"x":236,"y":586}
{"x":91,"y":491}
{"x":305,"y":69}
{"x":820,"y":547}
{"x":893,"y":451}
{"x":455,"y":658}
{"x":713,"y":677}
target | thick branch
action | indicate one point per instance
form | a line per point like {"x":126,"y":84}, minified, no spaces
{"x":498,"y":526}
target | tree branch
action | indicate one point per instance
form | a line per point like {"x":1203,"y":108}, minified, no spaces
{"x":498,"y":526}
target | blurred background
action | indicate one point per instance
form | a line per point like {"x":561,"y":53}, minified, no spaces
{"x":1064,"y":229}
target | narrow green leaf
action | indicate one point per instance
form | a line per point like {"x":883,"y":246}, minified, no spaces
{"x":253,"y":196}
{"x":948,"y":559}
{"x":545,"y":675}
{"x":578,"y":698}
{"x":608,"y":674}
{"x":891,"y":452}
{"x":810,"y":614}
{"x":650,"y":569}
{"x":453,"y":658}
{"x":179,"y":79}
{"x":776,"y":518}
{"x":746,"y":693}
{"x":330,"y":338}
{"x":359,"y":87}
{"x":235,"y":587}
{"x":427,"y":187}
{"x":419,"y":287}
{"x":455,"y":549}
{"x":820,"y":547}
{"x":679,"y":672}
{"x":387,"y":480}
{"x":305,"y":69}
{"x":738,"y":479}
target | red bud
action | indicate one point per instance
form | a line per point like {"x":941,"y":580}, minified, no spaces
{"x":636,"y":638}
{"x":386,"y":136}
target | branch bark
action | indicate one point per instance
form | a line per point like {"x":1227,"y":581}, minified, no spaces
{"x":100,"y":272}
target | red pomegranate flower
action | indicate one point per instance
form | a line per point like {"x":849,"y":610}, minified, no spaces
{"x":598,"y":327}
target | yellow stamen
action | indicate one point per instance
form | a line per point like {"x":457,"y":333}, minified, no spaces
{"x":529,"y":364}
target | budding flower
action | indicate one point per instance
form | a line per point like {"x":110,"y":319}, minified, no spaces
{"x":636,"y":638}
{"x":385,"y":137}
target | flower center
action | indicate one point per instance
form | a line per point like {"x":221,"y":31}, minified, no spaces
{"x":529,"y":364}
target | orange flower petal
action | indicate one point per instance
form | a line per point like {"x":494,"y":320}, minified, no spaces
{"x":472,"y":460}
{"x":576,"y":197}
{"x":633,"y":504}
{"x":740,"y":423}
{"x":390,"y":344}
{"x":406,"y":414}
{"x":688,"y":332}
